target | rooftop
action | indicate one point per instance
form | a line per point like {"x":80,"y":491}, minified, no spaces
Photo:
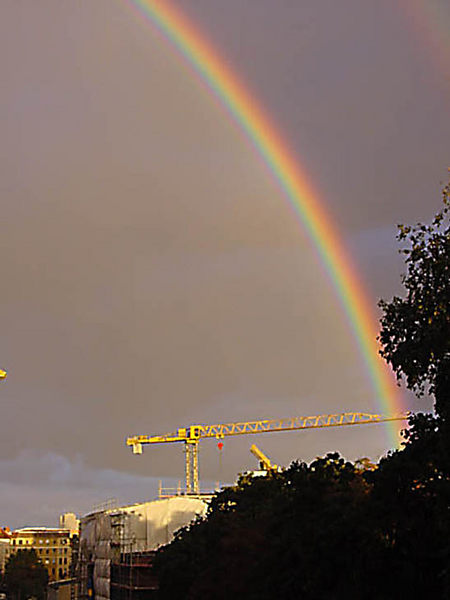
{"x":44,"y":530}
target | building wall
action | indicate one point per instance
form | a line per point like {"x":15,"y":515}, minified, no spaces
{"x":4,"y":552}
{"x":62,"y":590}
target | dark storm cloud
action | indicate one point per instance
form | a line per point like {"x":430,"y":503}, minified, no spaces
{"x":152,"y":274}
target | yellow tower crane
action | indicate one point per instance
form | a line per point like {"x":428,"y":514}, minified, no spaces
{"x":192,"y":435}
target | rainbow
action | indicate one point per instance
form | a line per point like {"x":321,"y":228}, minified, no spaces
{"x":298,"y":190}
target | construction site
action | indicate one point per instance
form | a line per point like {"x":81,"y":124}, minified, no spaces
{"x":118,"y":544}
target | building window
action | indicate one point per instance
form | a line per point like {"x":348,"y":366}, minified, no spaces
{"x":65,"y":561}
{"x":20,"y":542}
{"x":53,"y":571}
{"x":47,"y":541}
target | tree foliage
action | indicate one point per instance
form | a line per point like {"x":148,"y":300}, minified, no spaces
{"x":415,"y":339}
{"x":25,"y":576}
{"x":415,"y":330}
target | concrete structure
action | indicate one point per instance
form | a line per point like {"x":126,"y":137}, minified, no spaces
{"x":117,"y":546}
{"x":5,"y":537}
{"x":53,"y":547}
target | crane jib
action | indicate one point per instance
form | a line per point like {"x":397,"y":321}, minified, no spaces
{"x":248,"y":427}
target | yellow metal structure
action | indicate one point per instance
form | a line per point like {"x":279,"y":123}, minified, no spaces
{"x":3,"y":374}
{"x":264,"y":461}
{"x":191,"y":435}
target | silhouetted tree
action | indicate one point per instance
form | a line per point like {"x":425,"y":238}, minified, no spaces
{"x":25,"y":576}
{"x":415,"y":330}
{"x":412,"y":487}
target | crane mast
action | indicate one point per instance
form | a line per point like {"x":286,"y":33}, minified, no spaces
{"x":192,"y":435}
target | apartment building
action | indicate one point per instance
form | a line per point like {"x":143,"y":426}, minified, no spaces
{"x":53,"y":547}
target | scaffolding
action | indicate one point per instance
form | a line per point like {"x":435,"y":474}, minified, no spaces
{"x":133,"y":577}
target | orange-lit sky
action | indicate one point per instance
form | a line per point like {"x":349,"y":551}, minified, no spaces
{"x":152,"y":275}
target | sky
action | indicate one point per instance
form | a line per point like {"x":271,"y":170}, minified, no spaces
{"x":153,"y":275}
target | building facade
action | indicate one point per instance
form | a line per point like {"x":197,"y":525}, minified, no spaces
{"x":53,"y":547}
{"x":70,"y":521}
{"x":5,"y":537}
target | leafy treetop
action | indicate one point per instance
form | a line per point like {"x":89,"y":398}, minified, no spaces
{"x":25,"y":576}
{"x":415,"y":330}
